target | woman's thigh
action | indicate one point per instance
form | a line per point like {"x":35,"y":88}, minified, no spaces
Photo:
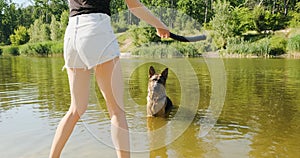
{"x":110,"y":82}
{"x":79,"y":82}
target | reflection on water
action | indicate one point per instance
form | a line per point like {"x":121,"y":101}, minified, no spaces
{"x":260,"y":117}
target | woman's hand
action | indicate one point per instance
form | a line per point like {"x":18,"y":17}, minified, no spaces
{"x":139,"y":10}
{"x":163,"y":33}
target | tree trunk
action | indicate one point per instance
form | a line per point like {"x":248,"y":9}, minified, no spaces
{"x":274,"y":6}
{"x":286,"y":7}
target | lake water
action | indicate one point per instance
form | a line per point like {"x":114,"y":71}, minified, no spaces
{"x":260,"y":115}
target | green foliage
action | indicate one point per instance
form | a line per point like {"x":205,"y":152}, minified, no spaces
{"x":39,"y":31}
{"x":258,"y":17}
{"x":293,"y":44}
{"x":117,"y":6}
{"x":35,"y":31}
{"x":186,"y":49}
{"x":277,"y":45}
{"x":295,"y":16}
{"x":266,"y":20}
{"x":45,"y":32}
{"x":55,"y":30}
{"x":222,"y":23}
{"x":20,"y":36}
{"x":44,"y":9}
{"x":141,"y":35}
{"x":174,"y":49}
{"x":57,"y":48}
{"x":119,"y":21}
{"x":64,"y":19}
{"x":241,"y":20}
{"x":8,"y":21}
{"x":191,"y":8}
{"x":41,"y":49}
{"x":240,"y":46}
{"x":10,"y":51}
{"x":35,"y":49}
{"x":156,"y":50}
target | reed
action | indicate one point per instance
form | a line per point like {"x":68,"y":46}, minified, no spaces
{"x":239,"y":46}
{"x":293,"y":44}
{"x":174,"y":49}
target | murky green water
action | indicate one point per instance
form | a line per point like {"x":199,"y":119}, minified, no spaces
{"x":260,"y":116}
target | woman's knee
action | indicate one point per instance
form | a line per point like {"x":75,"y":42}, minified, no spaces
{"x":76,"y":111}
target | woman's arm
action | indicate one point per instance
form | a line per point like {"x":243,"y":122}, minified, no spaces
{"x":139,"y":10}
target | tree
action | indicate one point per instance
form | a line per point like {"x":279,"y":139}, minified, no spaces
{"x":47,"y":8}
{"x":20,"y":36}
{"x":39,"y":31}
{"x":45,"y":32}
{"x":295,"y":20}
{"x":8,"y":21}
{"x":64,"y":19}
{"x":258,"y":18}
{"x":241,"y":19}
{"x":117,"y":6}
{"x":222,"y":23}
{"x":55,"y":29}
{"x":195,"y":9}
{"x":57,"y":7}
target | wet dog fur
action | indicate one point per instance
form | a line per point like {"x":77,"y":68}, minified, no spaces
{"x":158,"y":103}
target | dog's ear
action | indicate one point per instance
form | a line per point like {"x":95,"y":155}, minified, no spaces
{"x":151,"y":71}
{"x":165,"y":73}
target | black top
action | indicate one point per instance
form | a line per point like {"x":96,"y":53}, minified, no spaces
{"x":78,"y":7}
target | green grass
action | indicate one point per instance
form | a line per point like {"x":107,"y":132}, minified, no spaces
{"x":293,"y":44}
{"x":34,"y":49}
{"x":9,"y":51}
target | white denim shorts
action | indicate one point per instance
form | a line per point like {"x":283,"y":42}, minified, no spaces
{"x":89,"y":40}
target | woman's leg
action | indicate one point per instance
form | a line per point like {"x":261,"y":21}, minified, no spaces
{"x":79,"y":80}
{"x":110,"y":82}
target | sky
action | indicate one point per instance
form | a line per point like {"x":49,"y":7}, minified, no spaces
{"x":26,"y":2}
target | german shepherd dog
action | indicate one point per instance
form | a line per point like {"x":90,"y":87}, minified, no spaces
{"x":158,"y":104}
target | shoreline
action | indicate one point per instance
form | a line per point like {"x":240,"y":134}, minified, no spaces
{"x":226,"y":56}
{"x":216,"y":54}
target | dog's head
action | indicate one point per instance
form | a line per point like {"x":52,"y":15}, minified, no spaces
{"x":157,"y":78}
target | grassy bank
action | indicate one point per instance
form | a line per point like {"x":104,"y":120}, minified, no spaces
{"x":274,"y":45}
{"x":282,"y":43}
{"x":50,"y":48}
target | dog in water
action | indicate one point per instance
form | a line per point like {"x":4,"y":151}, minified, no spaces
{"x":158,"y":104}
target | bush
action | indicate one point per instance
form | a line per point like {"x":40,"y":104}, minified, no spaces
{"x":236,"y":46}
{"x":41,"y":49}
{"x":119,"y":27}
{"x":35,"y":49}
{"x":240,"y":46}
{"x":57,"y":48}
{"x":186,"y":49}
{"x":156,"y":50}
{"x":295,"y":16}
{"x":20,"y":36}
{"x":143,"y":34}
{"x":10,"y":50}
{"x":175,"y":49}
{"x":262,"y":47}
{"x":277,"y":45}
{"x":293,"y":44}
